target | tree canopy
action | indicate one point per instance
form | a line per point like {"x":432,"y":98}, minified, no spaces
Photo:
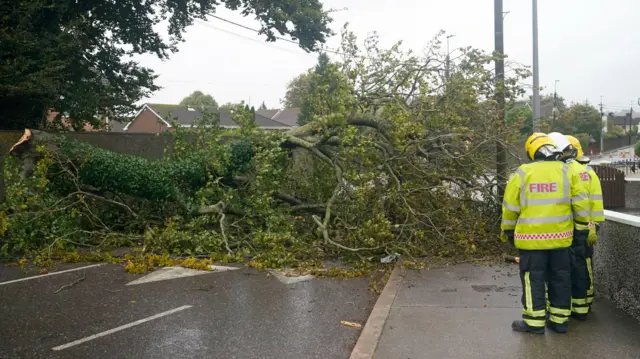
{"x":328,"y":92}
{"x":75,"y":56}
{"x":297,"y":89}
{"x":198,"y":98}
{"x":392,"y":161}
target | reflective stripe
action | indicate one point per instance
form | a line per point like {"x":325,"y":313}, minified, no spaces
{"x":590,"y":290}
{"x":535,"y":323}
{"x":580,"y":309}
{"x":527,"y":293}
{"x":596,"y":197}
{"x":581,"y":213}
{"x":580,"y":196}
{"x":534,"y":313}
{"x":548,"y":201}
{"x":523,"y":193}
{"x":539,"y":220}
{"x":558,"y":311}
{"x":566,"y":187}
{"x":558,"y":320}
{"x":579,"y":301}
{"x":511,"y":207}
{"x":597,"y":213}
{"x":508,"y":222}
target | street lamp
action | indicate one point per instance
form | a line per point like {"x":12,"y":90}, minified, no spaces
{"x":536,"y":75}
{"x":446,"y":75}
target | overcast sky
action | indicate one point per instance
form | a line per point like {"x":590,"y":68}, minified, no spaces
{"x":590,"y":46}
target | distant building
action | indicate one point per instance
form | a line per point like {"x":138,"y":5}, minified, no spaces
{"x":624,"y":120}
{"x":156,"y":118}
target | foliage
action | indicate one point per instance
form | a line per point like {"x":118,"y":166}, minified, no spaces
{"x":580,"y":118}
{"x":637,"y":149}
{"x":74,"y":56}
{"x":199,"y":99}
{"x":263,"y":106}
{"x":392,"y":161}
{"x":614,"y":131}
{"x":328,"y":94}
{"x":297,"y":90}
{"x":521,"y":113}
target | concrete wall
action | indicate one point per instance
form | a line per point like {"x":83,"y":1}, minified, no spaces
{"x":616,"y":262}
{"x":632,"y":193}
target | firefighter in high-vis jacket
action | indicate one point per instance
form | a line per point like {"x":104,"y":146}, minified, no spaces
{"x":580,"y":278}
{"x":597,"y":215}
{"x":541,"y":202}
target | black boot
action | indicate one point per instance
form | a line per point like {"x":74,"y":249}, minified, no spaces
{"x":558,"y":328}
{"x":521,"y":326}
{"x":580,"y":317}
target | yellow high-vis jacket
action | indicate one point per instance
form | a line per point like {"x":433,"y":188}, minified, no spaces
{"x":542,"y":203}
{"x":595,"y":193}
{"x":585,"y":180}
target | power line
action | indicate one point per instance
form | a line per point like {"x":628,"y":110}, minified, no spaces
{"x":255,"y":40}
{"x":258,"y":32}
{"x":333,"y":51}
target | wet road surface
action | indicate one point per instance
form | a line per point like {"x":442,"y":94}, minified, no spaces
{"x":233,"y":314}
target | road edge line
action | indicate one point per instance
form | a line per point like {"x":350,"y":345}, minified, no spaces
{"x":369,"y":338}
{"x":50,"y":274}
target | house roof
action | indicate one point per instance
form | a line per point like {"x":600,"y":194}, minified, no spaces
{"x":268,"y":113}
{"x":188,"y":116}
{"x":287,"y":116}
{"x":622,"y":118}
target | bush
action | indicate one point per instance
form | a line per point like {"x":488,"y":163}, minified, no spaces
{"x":637,"y":149}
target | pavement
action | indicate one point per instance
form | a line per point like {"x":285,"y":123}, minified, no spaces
{"x":465,"y":311}
{"x":83,"y":311}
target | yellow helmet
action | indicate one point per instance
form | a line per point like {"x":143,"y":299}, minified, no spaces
{"x":535,"y":141}
{"x":576,"y":144}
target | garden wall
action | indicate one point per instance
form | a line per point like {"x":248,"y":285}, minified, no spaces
{"x":615,"y":262}
{"x":150,"y":146}
{"x":632,"y":193}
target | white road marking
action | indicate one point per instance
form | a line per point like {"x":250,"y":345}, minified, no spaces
{"x":167,"y":273}
{"x":290,"y":279}
{"x":50,"y":274}
{"x":122,"y":327}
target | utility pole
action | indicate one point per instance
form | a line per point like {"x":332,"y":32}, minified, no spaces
{"x":630,"y":123}
{"x":555,"y":100}
{"x":601,"y":127}
{"x":536,"y":74}
{"x":501,"y":153}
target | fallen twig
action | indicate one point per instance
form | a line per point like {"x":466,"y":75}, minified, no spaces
{"x":70,"y":285}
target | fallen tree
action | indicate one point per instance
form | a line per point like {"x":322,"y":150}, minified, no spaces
{"x":373,"y":172}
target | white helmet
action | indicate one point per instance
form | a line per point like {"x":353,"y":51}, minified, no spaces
{"x":559,"y":140}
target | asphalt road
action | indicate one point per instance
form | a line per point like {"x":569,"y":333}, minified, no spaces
{"x":234,"y":314}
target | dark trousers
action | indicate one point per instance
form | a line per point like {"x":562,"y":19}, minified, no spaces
{"x":540,"y":267}
{"x":581,"y":283}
